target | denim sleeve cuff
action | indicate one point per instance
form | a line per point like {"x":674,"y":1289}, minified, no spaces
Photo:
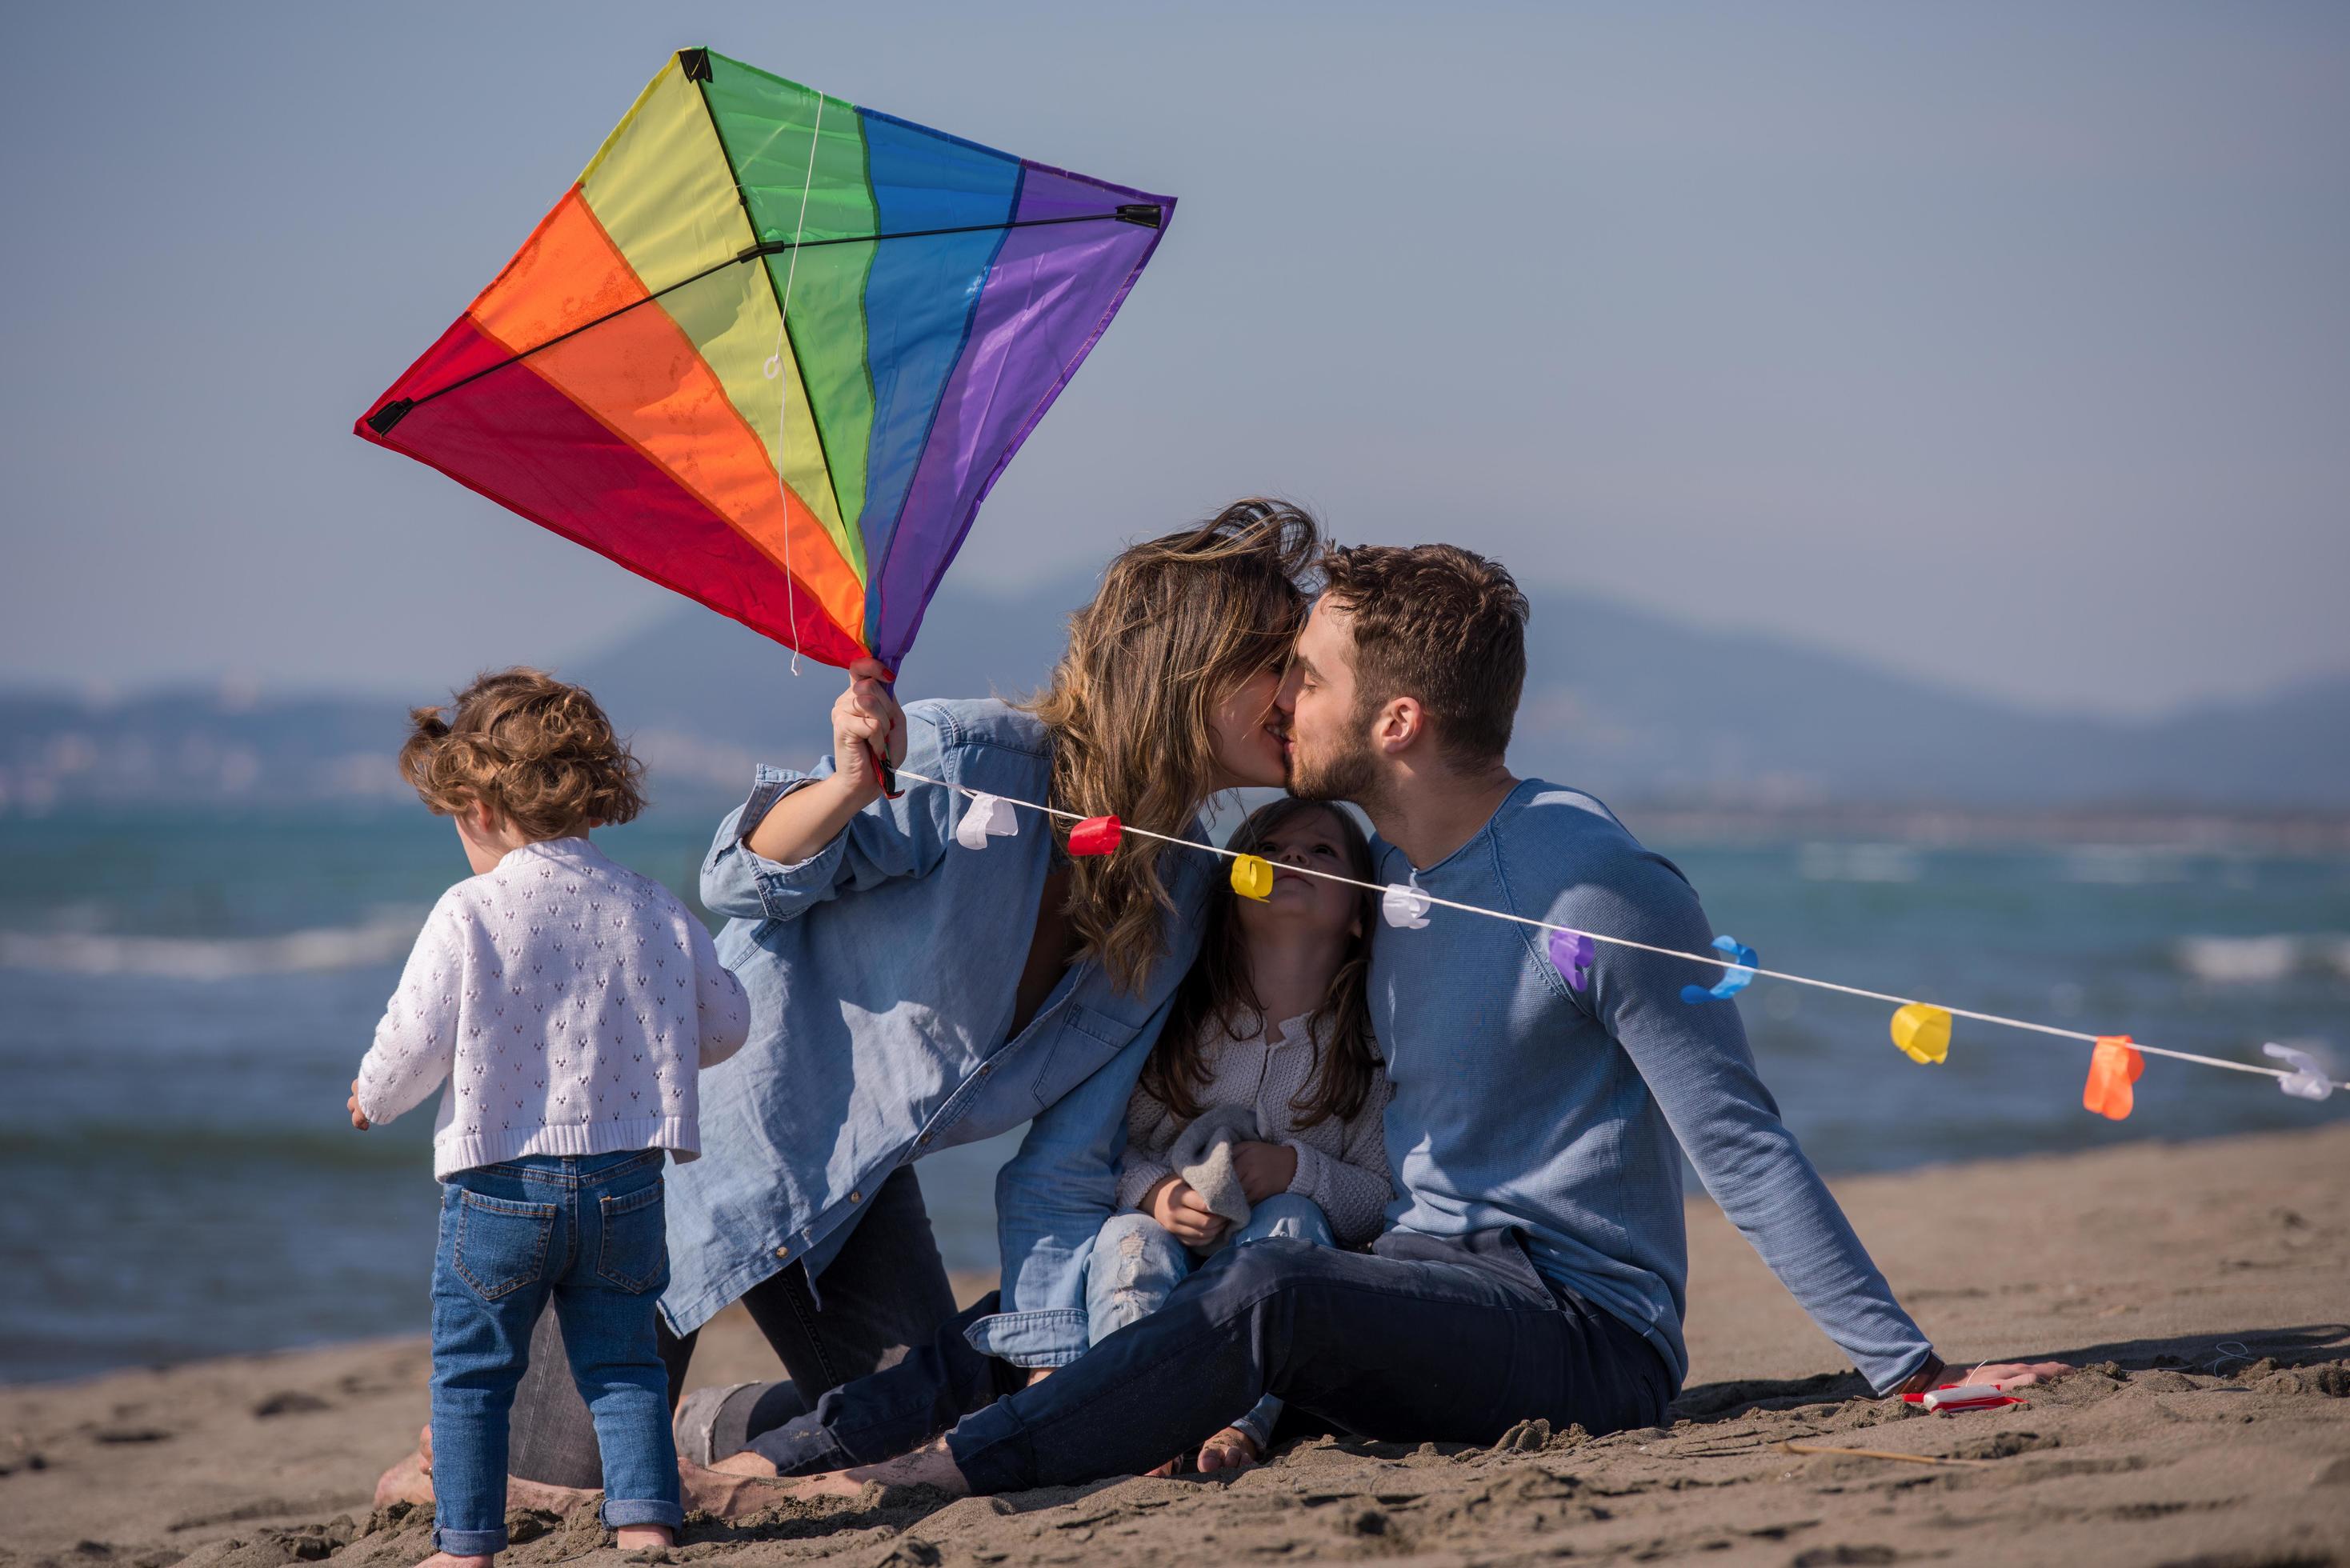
{"x":781,"y":887}
{"x":1054,"y":1336}
{"x":1887,"y":1382}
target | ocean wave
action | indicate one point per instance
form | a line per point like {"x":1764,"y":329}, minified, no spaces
{"x":384,"y":939}
{"x":1859,"y":863}
{"x":2241,"y":961}
{"x":214,"y":1152}
{"x":2122,"y":864}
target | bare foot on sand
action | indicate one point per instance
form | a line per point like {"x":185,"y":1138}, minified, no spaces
{"x":734,"y":1487}
{"x":445,"y":1560}
{"x":1230,"y":1450}
{"x":643,"y":1537}
{"x":411,"y":1481}
{"x":930,"y":1465}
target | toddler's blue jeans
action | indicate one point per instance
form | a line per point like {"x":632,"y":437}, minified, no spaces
{"x":1137,"y":1262}
{"x":586,"y":1233}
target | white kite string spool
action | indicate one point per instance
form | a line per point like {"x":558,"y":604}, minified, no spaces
{"x":1713,"y":960}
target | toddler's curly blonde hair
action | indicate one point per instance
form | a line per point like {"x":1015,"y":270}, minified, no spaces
{"x":537,"y":752}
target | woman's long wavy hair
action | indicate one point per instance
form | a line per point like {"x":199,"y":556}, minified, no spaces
{"x":1178,"y":623}
{"x":1217,"y":1001}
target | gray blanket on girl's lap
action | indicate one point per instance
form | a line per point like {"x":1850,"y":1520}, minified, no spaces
{"x":1202,"y":1155}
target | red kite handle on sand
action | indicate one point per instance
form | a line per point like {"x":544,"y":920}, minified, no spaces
{"x":1953,"y":1397}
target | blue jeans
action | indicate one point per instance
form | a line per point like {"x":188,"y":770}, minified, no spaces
{"x":1137,"y":1262}
{"x":1452,"y":1339}
{"x":584,"y":1231}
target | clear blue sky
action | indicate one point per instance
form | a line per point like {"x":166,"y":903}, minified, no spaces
{"x":2005,"y":343}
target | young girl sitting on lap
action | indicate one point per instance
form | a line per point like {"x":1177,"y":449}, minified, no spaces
{"x":570,"y":1004}
{"x":1269,"y":1038}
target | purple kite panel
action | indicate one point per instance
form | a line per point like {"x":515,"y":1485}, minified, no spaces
{"x":1050,"y":294}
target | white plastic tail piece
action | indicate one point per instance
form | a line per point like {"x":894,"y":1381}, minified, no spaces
{"x":1966,"y":1397}
{"x":986,"y":815}
{"x":1404,"y":907}
{"x":2307,"y":1081}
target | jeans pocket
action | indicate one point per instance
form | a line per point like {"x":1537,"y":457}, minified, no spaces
{"x":501,"y":1243}
{"x":632,"y":1252}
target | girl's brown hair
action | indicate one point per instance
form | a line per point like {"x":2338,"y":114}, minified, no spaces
{"x":537,"y":752}
{"x":1179,"y":622}
{"x":1217,"y":1001}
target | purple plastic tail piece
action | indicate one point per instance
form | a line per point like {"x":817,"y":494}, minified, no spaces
{"x":1571,"y":953}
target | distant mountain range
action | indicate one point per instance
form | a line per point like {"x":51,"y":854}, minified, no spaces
{"x":1620,"y":700}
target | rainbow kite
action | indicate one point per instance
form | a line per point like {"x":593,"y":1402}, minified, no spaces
{"x":772,"y":350}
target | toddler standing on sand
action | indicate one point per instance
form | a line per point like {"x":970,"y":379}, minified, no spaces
{"x":570,"y":1004}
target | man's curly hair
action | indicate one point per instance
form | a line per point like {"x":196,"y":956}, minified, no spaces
{"x":537,"y":752}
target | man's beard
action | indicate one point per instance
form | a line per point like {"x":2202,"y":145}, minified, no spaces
{"x":1349,"y":771}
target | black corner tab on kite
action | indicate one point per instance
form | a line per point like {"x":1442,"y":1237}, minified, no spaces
{"x":391,"y":413}
{"x":696,"y":63}
{"x":1145,"y":214}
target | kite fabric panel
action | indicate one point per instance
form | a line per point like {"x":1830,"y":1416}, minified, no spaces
{"x":628,"y":380}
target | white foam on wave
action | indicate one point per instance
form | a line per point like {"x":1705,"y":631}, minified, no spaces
{"x":2122,"y":864}
{"x":383,"y":939}
{"x":1859,"y":863}
{"x":2239,"y":960}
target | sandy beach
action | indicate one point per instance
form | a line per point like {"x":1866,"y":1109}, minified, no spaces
{"x":2201,"y":1287}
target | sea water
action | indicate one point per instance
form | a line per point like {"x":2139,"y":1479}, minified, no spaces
{"x":184,"y":998}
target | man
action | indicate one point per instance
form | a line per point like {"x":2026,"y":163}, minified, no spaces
{"x":1534,"y":1261}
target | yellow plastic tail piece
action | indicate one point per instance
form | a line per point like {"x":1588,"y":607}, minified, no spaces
{"x":1252,"y":877}
{"x":1923,"y":1034}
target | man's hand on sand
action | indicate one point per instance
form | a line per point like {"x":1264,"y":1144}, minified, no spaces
{"x":2000,"y":1374}
{"x":2007,"y":1374}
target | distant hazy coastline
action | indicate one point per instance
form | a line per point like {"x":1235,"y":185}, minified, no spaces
{"x":1746,"y":733}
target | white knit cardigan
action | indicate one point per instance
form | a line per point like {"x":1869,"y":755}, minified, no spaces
{"x":568,"y":1001}
{"x":1341,"y":1166}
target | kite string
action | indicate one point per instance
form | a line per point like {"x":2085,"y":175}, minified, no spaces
{"x":775,"y":369}
{"x":1713,"y":959}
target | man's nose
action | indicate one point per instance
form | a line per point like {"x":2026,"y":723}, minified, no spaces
{"x":1284,"y":696}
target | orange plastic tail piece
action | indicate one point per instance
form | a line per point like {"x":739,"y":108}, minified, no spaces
{"x":2114,"y":1067}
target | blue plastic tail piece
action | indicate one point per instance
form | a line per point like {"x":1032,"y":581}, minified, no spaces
{"x":1735,"y":978}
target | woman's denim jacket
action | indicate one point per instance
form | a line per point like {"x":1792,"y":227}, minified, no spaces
{"x":881,"y":973}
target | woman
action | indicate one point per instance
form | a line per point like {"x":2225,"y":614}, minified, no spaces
{"x":908,"y":994}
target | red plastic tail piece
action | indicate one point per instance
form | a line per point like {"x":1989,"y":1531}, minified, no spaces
{"x":2112,"y":1068}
